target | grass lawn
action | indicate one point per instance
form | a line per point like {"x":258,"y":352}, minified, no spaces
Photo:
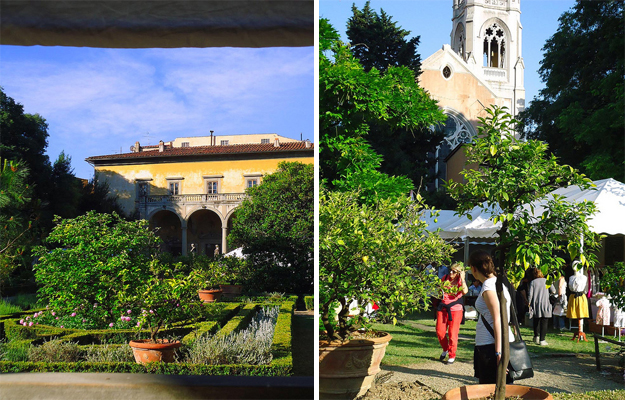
{"x":412,"y":345}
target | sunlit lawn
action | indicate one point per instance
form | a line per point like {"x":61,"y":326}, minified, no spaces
{"x":411,"y":345}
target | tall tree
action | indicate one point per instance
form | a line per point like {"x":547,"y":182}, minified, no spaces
{"x":275,"y":227}
{"x":24,"y":137}
{"x":581,"y":111}
{"x":351,"y":100}
{"x":66,"y":188}
{"x":378,"y":42}
{"x":15,"y":218}
{"x":513,"y":178}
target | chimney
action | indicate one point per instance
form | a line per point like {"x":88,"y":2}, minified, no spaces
{"x":161,"y":146}
{"x":308,"y":143}
{"x":137,"y":147}
{"x":212,"y":138}
{"x":276,"y":142}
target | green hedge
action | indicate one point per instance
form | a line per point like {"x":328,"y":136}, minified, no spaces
{"x":151,"y":368}
{"x":240,"y":321}
{"x":282,"y":337}
{"x":281,"y":365}
{"x":310,"y":302}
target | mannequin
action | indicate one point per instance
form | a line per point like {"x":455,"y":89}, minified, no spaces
{"x":578,"y":302}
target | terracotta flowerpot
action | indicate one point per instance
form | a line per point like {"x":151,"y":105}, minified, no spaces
{"x":347,"y":369}
{"x":209,"y":296}
{"x":478,"y":391}
{"x":231,"y":291}
{"x":145,"y":351}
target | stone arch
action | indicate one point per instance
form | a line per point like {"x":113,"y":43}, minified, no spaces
{"x":169,"y":226}
{"x":205,"y":230}
{"x":495,"y":48}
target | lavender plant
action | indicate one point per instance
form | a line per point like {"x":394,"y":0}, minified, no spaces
{"x":250,"y":346}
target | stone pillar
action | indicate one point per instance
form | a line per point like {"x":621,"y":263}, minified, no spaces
{"x":224,"y":236}
{"x":184,"y":239}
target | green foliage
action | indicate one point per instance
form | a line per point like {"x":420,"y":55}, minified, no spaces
{"x":379,"y":43}
{"x":220,"y":270}
{"x":351,"y":102}
{"x":370,"y":253}
{"x":8,"y":308}
{"x":96,"y":265}
{"x":275,"y":227}
{"x":513,"y":178}
{"x":613,"y":284}
{"x":150,"y":368}
{"x":15,"y":219}
{"x":310,"y":302}
{"x":581,"y":110}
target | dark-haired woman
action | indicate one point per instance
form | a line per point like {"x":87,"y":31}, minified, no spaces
{"x":487,"y":353}
{"x":539,"y":304}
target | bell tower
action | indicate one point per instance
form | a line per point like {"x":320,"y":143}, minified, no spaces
{"x":487,"y":35}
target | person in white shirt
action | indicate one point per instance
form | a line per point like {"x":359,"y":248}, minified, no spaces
{"x":578,"y":302}
{"x":487,"y":353}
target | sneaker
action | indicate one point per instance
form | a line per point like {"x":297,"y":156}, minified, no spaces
{"x":536,"y":340}
{"x":451,"y":361}
{"x":443,"y":355}
{"x":544,"y":343}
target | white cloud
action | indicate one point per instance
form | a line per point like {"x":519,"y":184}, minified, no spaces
{"x":106,"y":98}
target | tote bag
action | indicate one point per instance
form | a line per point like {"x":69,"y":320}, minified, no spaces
{"x":520,"y":363}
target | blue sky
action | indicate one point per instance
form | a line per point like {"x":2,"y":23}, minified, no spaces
{"x":98,"y":101}
{"x":431,"y":20}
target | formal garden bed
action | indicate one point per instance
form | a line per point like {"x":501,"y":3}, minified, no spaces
{"x":218,"y":341}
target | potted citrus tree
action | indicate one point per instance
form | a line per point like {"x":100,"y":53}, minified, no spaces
{"x":164,"y":299}
{"x":515,"y":184}
{"x":208,"y":277}
{"x":368,"y":253}
{"x":231,"y":273}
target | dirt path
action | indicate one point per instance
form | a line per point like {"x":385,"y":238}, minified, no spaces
{"x":552,"y":372}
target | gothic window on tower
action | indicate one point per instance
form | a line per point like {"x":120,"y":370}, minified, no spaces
{"x":494,"y":47}
{"x":459,"y":41}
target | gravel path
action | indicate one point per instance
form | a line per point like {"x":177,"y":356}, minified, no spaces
{"x":552,"y":372}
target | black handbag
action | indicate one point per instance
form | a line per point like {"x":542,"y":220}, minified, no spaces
{"x":520,"y":366}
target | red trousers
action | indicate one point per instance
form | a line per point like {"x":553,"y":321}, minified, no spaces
{"x":447,"y":331}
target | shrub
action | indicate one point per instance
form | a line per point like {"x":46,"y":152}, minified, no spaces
{"x":8,"y":308}
{"x":93,"y":263}
{"x":310,"y":302}
{"x":109,"y":353}
{"x":249,"y":346}
{"x":55,"y":350}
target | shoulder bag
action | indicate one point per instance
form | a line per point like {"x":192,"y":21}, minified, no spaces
{"x":520,"y":363}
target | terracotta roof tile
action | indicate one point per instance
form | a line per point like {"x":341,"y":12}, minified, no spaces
{"x":208,"y":150}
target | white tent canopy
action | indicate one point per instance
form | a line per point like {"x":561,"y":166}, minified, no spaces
{"x":608,"y":196}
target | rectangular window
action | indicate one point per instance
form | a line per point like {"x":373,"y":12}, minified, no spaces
{"x":224,"y":142}
{"x":174,"y":188}
{"x":252,"y":182}
{"x":184,"y":144}
{"x":264,"y":141}
{"x":142,"y":188}
{"x":212,"y":187}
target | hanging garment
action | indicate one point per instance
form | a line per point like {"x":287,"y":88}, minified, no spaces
{"x":603,"y":311}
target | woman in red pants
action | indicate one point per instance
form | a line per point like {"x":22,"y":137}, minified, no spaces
{"x":450,"y":313}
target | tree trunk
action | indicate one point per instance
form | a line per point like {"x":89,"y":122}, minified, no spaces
{"x":500,"y":389}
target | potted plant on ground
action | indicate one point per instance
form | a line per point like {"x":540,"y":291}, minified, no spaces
{"x":368,"y":254}
{"x":232,"y":274}
{"x":207,"y":273}
{"x":164,"y":300}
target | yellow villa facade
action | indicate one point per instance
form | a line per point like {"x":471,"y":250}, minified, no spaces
{"x":189,"y":188}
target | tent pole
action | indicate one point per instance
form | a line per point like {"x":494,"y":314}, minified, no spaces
{"x":466,"y":250}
